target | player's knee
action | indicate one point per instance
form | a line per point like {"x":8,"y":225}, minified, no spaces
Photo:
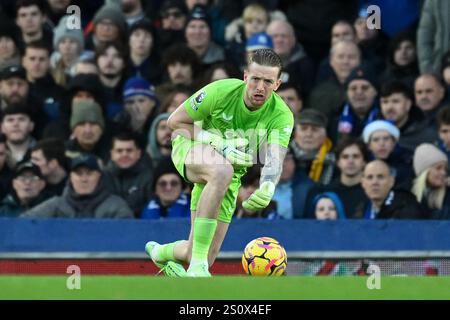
{"x":223,"y":174}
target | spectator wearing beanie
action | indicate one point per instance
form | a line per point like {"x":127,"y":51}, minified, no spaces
{"x":430,"y":185}
{"x":80,"y":87}
{"x":68,"y":46}
{"x":140,"y":108}
{"x":86,"y":195}
{"x":169,"y":200}
{"x":173,"y":16}
{"x":144,"y":60}
{"x":14,"y":84}
{"x":109,"y":25}
{"x":381,"y":138}
{"x":259,"y":40}
{"x":198,"y":35}
{"x":312,"y":148}
{"x":133,"y":10}
{"x":16,"y":90}
{"x":88,"y":131}
{"x":28,"y":190}
{"x":361,"y":105}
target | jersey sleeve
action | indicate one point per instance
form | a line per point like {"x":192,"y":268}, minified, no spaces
{"x":201,"y":104}
{"x":281,"y":129}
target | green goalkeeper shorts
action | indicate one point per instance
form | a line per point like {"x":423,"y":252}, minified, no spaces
{"x":180,"y":149}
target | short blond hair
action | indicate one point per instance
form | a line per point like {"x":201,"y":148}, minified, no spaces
{"x":254,"y":9}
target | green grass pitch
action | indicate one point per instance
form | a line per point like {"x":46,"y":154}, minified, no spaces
{"x":223,"y":287}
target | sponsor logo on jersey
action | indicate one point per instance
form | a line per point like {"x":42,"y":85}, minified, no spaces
{"x":197,"y":100}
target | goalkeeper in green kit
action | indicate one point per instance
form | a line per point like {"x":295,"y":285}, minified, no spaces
{"x":218,"y":132}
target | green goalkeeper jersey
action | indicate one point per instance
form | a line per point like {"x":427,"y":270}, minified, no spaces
{"x":220,"y":108}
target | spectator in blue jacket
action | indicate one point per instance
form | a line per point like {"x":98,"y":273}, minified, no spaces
{"x":169,"y":200}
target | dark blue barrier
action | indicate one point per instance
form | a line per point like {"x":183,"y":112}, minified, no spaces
{"x":64,"y":235}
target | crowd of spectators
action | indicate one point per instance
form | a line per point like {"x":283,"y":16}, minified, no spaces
{"x":84,"y":103}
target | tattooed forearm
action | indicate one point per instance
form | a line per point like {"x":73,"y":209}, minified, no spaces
{"x":274,"y":163}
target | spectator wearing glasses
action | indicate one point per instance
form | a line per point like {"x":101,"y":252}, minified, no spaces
{"x":109,"y":25}
{"x":28,"y":191}
{"x":169,"y":200}
{"x":173,"y":14}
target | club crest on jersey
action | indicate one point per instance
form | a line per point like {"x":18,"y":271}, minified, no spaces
{"x":195,"y":102}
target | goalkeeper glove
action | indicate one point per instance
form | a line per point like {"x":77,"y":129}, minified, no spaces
{"x":261,"y":197}
{"x":228,"y":148}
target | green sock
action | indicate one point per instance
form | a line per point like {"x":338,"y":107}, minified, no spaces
{"x":165,"y":252}
{"x":204,"y":230}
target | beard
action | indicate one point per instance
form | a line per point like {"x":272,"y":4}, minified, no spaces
{"x":110,"y":75}
{"x":14,"y":99}
{"x":165,"y":143}
{"x":128,"y":7}
{"x":18,"y":140}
